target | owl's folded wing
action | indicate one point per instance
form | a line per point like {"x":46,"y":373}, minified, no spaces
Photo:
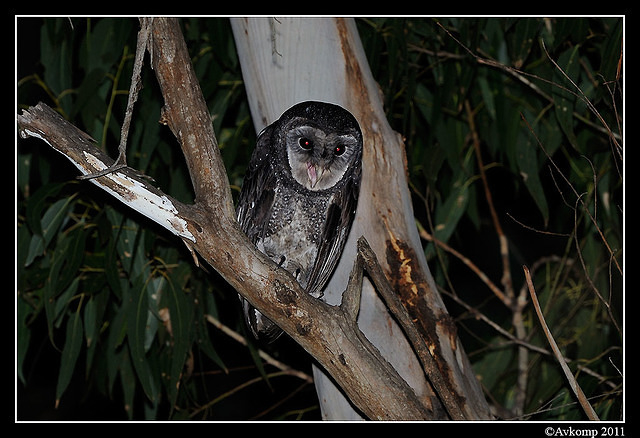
{"x":340,"y":214}
{"x":257,"y":194}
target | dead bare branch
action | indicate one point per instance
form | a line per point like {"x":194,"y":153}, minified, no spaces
{"x":264,"y":355}
{"x":469,"y":263}
{"x":582,"y":399}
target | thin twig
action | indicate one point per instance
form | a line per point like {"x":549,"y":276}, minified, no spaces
{"x":584,"y":206}
{"x":582,"y":399}
{"x":279,"y":403}
{"x":517,"y":74}
{"x":481,"y":316}
{"x":606,"y":303}
{"x":481,"y":275}
{"x":268,"y":359}
{"x":233,"y":391}
{"x":535,"y":230}
{"x":584,"y":98}
{"x":522,"y":77}
{"x":502,"y":238}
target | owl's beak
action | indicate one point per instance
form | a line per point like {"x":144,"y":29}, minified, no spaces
{"x":312,"y":172}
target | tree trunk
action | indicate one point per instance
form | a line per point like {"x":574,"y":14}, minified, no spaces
{"x":381,"y":381}
{"x":285,"y":61}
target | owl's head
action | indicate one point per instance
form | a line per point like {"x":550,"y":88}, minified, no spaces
{"x":322,"y":142}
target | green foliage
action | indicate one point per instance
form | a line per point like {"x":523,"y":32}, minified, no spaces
{"x":121,"y":310}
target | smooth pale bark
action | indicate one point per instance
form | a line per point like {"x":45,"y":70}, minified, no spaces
{"x":288,"y":60}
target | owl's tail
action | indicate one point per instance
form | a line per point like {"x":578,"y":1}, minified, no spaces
{"x":262,"y":328}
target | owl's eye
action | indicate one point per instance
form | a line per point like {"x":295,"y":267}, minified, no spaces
{"x":339,"y":150}
{"x":305,"y":143}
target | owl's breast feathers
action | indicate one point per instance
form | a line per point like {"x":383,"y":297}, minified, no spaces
{"x":293,"y":235}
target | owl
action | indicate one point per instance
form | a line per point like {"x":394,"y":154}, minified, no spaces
{"x":299,"y":196}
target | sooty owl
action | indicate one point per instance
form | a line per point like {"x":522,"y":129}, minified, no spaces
{"x":299,"y":196}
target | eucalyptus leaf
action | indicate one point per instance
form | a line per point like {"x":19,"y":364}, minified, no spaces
{"x":37,"y":223}
{"x":65,"y":260}
{"x":525,"y":33}
{"x":118,"y":355}
{"x":487,"y":95}
{"x":128,"y":381}
{"x":565,"y":92}
{"x":63,"y":301}
{"x":449,"y":214}
{"x":56,"y":46}
{"x":70,"y":353}
{"x":527,"y":160}
{"x":23,"y":335}
{"x":137,"y":313}
{"x":94,"y":313}
{"x":181,"y":314}
{"x":53,"y":218}
{"x":611,"y":51}
{"x":103,"y":45}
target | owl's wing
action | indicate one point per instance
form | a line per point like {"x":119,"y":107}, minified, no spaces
{"x":340,"y":214}
{"x":258,"y":188}
{"x":253,"y":212}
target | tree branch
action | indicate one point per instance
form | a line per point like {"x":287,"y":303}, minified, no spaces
{"x":125,"y":184}
{"x":369,"y":262}
{"x":582,"y":399}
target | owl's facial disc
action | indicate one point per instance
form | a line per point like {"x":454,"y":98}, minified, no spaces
{"x":318,"y":160}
